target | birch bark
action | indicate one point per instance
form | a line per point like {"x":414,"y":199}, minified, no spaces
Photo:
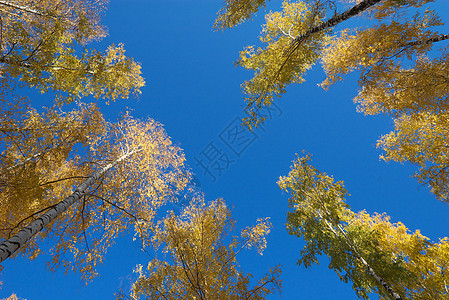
{"x":353,"y":11}
{"x":8,"y":247}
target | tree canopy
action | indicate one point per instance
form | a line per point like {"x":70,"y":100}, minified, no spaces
{"x":126,"y":169}
{"x":201,"y":263}
{"x":75,"y":178}
{"x":144,"y":171}
{"x":40,"y":42}
{"x":400,"y":73}
{"x":367,"y":250}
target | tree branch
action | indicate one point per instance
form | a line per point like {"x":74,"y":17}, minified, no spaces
{"x":351,"y":245}
{"x":7,"y":248}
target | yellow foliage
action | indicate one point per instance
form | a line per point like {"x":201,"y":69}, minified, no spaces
{"x":38,"y":46}
{"x":274,"y":70}
{"x":378,"y":53}
{"x":422,"y":139}
{"x":235,"y":12}
{"x":425,"y":262}
{"x":406,"y":261}
{"x":13,"y":297}
{"x":396,"y":76}
{"x":48,"y":155}
{"x":200,"y":264}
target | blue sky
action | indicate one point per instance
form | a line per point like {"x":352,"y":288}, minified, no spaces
{"x":194,"y":90}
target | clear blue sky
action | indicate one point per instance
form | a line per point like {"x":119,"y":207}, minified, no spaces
{"x":194,"y":90}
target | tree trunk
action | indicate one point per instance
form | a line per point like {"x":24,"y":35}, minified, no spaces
{"x":296,"y":42}
{"x":353,"y":11}
{"x":380,"y":280}
{"x":23,"y":8}
{"x":370,"y":270}
{"x":8,"y":247}
{"x":21,"y":163}
{"x":354,"y":249}
{"x":439,"y":38}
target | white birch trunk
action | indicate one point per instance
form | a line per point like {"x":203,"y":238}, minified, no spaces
{"x":353,"y":11}
{"x":22,"y":8}
{"x":21,"y":163}
{"x":354,"y":249}
{"x":8,"y":247}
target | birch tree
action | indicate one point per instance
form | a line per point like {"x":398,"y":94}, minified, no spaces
{"x":398,"y":77}
{"x":293,"y":40}
{"x":199,"y":263}
{"x":37,"y":151}
{"x":38,"y":42}
{"x":118,"y":181}
{"x":39,"y":159}
{"x":368,"y":250}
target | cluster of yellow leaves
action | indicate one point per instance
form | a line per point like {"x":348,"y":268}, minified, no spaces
{"x":410,"y":264}
{"x":391,"y":8}
{"x":36,"y":156}
{"x":127,"y":196}
{"x":274,"y":68}
{"x":38,"y":162}
{"x":235,"y":12}
{"x":425,"y":263}
{"x":422,"y":139}
{"x":80,"y":20}
{"x":200,"y":264}
{"x":378,"y":53}
{"x":422,"y":88}
{"x":111,"y":75}
{"x":13,"y":297}
{"x":255,"y":235}
{"x":38,"y":47}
